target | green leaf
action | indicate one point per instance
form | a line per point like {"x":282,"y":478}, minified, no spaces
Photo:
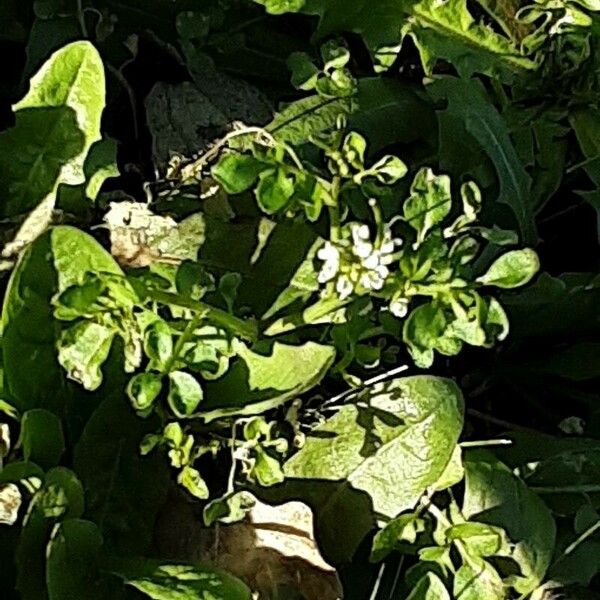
{"x":124,"y":490}
{"x":393,"y":448}
{"x":257,"y":382}
{"x":513,"y":269}
{"x":185,"y":393}
{"x":389,"y":170}
{"x":404,"y":528}
{"x":42,"y":438}
{"x":238,"y":172}
{"x":60,"y":497}
{"x":429,"y":587}
{"x":449,"y":32}
{"x":143,"y":390}
{"x":297,"y":122}
{"x":72,"y":562}
{"x":429,"y":202}
{"x":471,"y":127}
{"x":421,"y":332}
{"x":55,"y":261}
{"x":480,"y":539}
{"x":192,"y":481}
{"x":494,"y":495}
{"x":274,"y":190}
{"x":158,"y":343}
{"x":278,"y":7}
{"x":176,"y":581}
{"x":477,"y":581}
{"x":83,"y":349}
{"x":56,"y":123}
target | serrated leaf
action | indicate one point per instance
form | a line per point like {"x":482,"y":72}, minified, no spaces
{"x":56,"y":123}
{"x":393,"y":445}
{"x":513,"y":269}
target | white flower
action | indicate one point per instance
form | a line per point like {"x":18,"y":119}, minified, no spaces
{"x":330,"y":256}
{"x":361,"y":243}
{"x":344,"y":286}
{"x":399,"y":307}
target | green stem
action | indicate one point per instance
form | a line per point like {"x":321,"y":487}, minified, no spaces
{"x":590,"y":531}
{"x":334,"y":211}
{"x":567,"y":489}
{"x":246,"y":329}
{"x":183,"y":339}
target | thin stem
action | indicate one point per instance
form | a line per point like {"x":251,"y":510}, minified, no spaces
{"x":334,"y":210}
{"x":483,"y":443}
{"x":246,"y":329}
{"x":584,"y":536}
{"x":567,"y":489}
{"x":81,"y":19}
{"x":183,"y":339}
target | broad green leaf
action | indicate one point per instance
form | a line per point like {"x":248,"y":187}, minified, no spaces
{"x":429,"y":587}
{"x":176,"y":581}
{"x":429,"y":202}
{"x":494,"y":495}
{"x":185,"y":393}
{"x":238,"y":172}
{"x":454,"y":471}
{"x":124,"y":491}
{"x":143,"y":390}
{"x":60,"y":497}
{"x":42,"y":438}
{"x":513,"y":269}
{"x":56,"y":123}
{"x":257,"y":382}
{"x":71,"y":565}
{"x":55,"y":261}
{"x":393,"y":444}
{"x":477,"y":581}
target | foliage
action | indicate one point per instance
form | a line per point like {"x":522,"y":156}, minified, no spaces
{"x":229,"y":253}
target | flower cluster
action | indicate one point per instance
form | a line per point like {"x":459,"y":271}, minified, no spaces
{"x":355,"y":263}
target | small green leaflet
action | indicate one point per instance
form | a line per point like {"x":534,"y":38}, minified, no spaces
{"x":512,"y":269}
